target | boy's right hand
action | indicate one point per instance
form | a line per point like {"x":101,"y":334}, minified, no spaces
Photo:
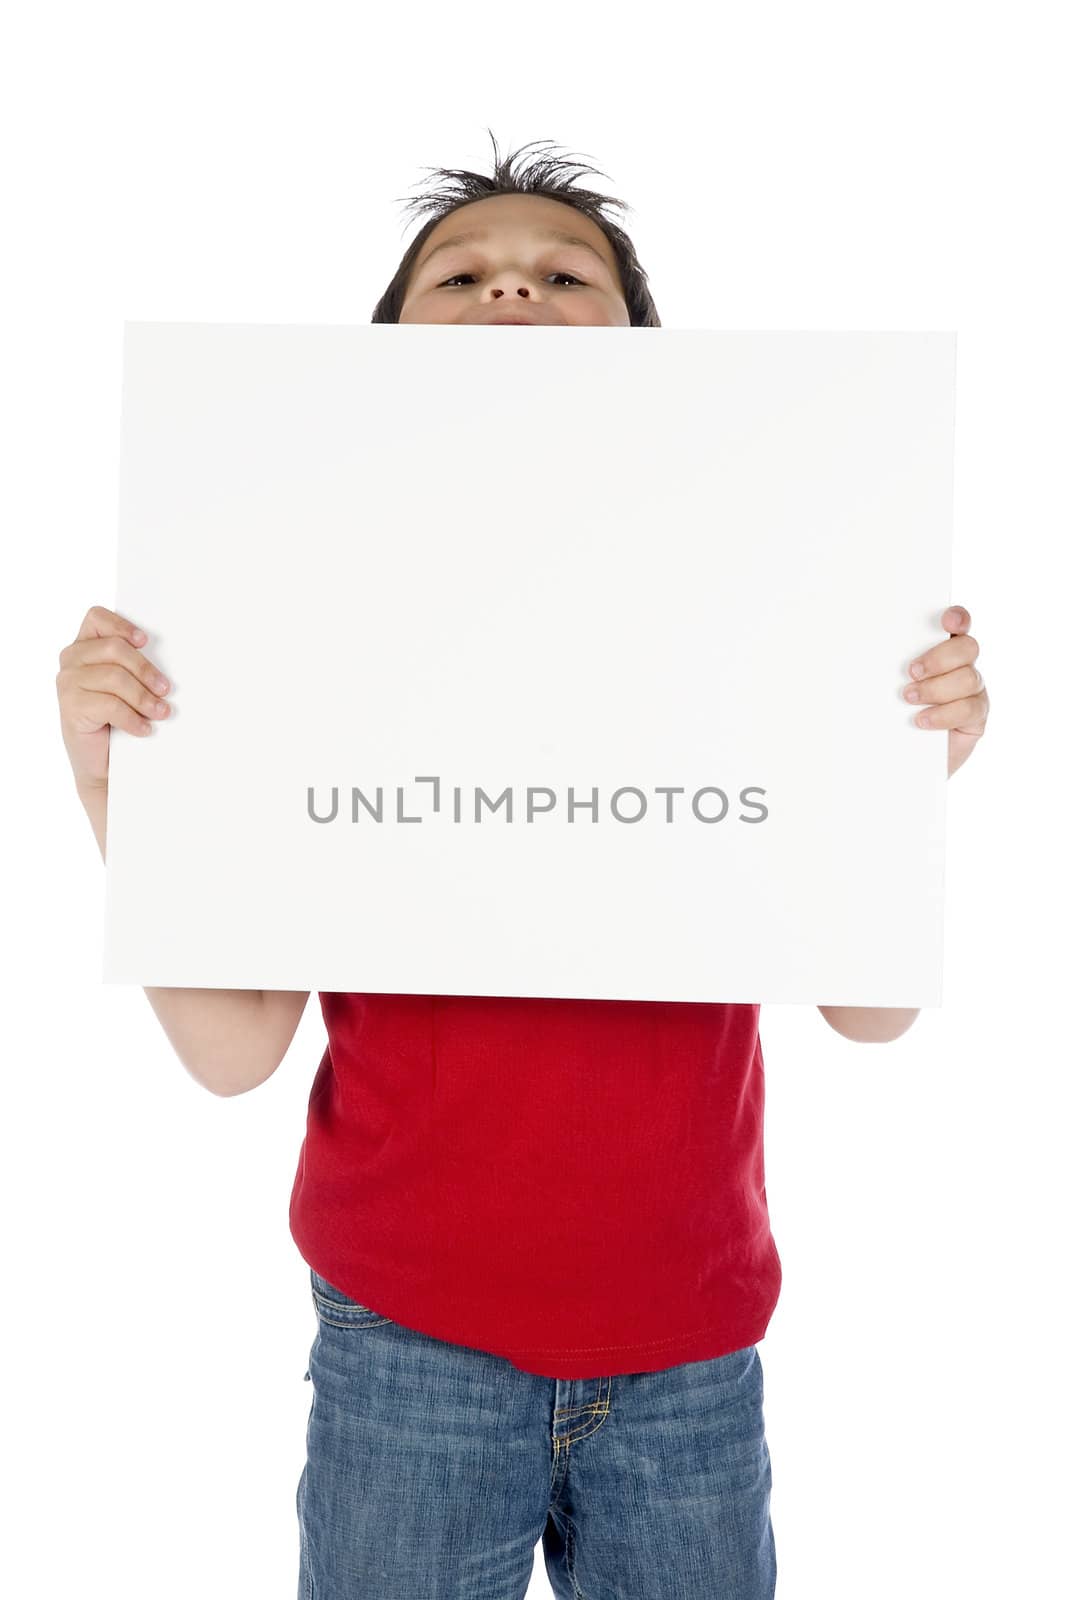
{"x":104,"y":681}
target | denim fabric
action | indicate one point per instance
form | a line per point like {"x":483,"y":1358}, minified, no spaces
{"x":433,"y":1469}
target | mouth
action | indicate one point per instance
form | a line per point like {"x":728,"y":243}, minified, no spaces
{"x":516,"y":322}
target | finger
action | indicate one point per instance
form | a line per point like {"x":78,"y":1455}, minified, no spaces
{"x":957,"y":619}
{"x":96,"y":710}
{"x":112,"y":647}
{"x":958,"y":651}
{"x":99,"y":620}
{"x":945,"y":687}
{"x":111,"y":681}
{"x":968,"y":715}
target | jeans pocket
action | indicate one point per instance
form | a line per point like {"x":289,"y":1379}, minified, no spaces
{"x":337,"y":1309}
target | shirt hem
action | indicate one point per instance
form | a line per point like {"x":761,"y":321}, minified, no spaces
{"x":648,"y":1355}
{"x":580,"y":1361}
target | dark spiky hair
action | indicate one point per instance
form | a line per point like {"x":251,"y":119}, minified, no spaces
{"x":547,"y":177}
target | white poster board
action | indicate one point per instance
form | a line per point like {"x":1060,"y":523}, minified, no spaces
{"x":401,"y":574}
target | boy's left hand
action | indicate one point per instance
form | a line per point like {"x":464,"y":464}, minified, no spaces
{"x":951,"y":688}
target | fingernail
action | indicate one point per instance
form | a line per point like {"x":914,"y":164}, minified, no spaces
{"x":918,"y":670}
{"x":954,"y":618}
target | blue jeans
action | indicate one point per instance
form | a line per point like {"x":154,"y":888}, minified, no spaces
{"x":433,"y":1469}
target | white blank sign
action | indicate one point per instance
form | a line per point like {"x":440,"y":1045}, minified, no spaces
{"x":554,"y":661}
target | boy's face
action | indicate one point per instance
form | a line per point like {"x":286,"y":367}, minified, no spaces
{"x":511,"y":270}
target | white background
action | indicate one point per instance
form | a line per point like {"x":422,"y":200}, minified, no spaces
{"x":824,"y":166}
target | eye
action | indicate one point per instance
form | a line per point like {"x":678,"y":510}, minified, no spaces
{"x":456,"y":275}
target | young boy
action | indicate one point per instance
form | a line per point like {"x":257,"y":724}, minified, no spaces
{"x":537,"y":1229}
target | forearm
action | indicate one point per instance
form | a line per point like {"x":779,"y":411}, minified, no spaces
{"x":94,"y":799}
{"x":870,"y":1024}
{"x":219,"y":1035}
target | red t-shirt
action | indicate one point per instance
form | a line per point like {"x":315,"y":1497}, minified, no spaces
{"x":574,"y":1185}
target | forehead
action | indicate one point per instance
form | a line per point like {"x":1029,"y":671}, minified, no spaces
{"x":504,"y":217}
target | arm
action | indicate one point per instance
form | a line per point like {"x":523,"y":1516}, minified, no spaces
{"x":869,"y":1024}
{"x":938,"y":679}
{"x":229,"y":1040}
